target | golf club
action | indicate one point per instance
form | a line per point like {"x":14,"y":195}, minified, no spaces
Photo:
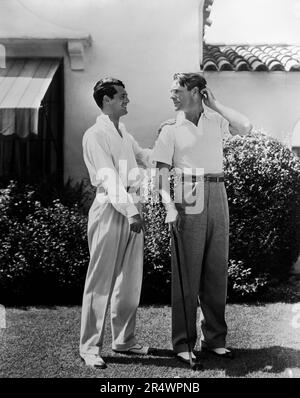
{"x":193,"y":365}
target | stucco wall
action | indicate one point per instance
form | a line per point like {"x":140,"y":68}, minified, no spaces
{"x":270,"y":99}
{"x":254,"y":22}
{"x":142,"y":42}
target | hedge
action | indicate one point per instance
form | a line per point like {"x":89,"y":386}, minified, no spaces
{"x":43,"y":243}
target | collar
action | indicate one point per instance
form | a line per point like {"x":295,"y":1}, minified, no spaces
{"x":103,"y":120}
{"x":180,"y":119}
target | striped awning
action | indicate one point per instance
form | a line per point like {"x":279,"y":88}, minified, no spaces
{"x":23,"y":85}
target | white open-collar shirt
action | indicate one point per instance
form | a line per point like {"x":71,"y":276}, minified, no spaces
{"x":189,"y":147}
{"x":105,"y":154}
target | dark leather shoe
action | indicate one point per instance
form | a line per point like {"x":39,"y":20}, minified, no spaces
{"x":228,"y":354}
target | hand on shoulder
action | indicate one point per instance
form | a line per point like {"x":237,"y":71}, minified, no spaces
{"x":168,"y":122}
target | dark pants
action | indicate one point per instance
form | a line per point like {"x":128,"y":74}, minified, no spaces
{"x":203,"y":245}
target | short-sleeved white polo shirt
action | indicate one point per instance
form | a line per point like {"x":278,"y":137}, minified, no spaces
{"x":187,"y":146}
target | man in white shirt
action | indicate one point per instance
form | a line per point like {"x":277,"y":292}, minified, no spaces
{"x":199,"y":219}
{"x":115,"y":228}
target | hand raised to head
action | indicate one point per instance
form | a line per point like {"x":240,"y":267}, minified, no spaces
{"x":208,"y":98}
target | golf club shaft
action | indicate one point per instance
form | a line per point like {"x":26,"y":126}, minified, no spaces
{"x":175,"y":239}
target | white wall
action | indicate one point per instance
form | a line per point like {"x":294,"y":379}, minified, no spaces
{"x":270,"y":99}
{"x":142,"y":42}
{"x":254,"y":22}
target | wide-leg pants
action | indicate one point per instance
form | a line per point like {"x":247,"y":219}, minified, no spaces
{"x":114,"y":277}
{"x":204,"y":243}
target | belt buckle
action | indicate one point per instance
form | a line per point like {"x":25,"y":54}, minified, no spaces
{"x":198,"y":179}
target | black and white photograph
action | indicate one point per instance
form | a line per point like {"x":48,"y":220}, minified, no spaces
{"x":150,"y":193}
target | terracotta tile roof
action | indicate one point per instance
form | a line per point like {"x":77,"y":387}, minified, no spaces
{"x":251,"y":58}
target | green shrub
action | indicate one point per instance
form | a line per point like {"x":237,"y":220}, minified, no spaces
{"x":242,"y":285}
{"x":43,"y":253}
{"x":69,"y":194}
{"x":21,"y":196}
{"x":263,"y":187}
{"x":285,"y":291}
{"x":157,"y":255}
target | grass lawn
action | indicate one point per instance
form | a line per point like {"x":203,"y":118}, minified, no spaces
{"x":43,"y":342}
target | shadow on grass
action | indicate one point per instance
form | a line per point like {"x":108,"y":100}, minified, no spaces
{"x":157,"y":358}
{"x":269,"y":360}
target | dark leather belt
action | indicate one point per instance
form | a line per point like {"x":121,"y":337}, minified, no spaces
{"x":102,"y":190}
{"x":213,"y":179}
{"x":208,"y":179}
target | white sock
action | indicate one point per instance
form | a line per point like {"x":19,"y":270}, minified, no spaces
{"x":220,"y":350}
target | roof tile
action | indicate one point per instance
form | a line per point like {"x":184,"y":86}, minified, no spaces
{"x":251,"y":58}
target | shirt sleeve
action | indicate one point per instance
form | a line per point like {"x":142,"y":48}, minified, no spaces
{"x":143,"y":156}
{"x":224,"y":125}
{"x":163,"y":150}
{"x":100,"y":165}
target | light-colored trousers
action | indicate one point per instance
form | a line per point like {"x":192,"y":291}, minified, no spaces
{"x":114,"y":277}
{"x":204,"y":243}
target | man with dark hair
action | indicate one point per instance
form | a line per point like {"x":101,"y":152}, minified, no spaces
{"x":115,"y":228}
{"x":199,"y":218}
{"x":104,"y":87}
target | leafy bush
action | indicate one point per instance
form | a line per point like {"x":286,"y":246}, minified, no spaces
{"x":263,"y":187}
{"x":157,"y":255}
{"x":283,"y":291}
{"x":242,"y":285}
{"x":43,"y":253}
{"x":69,"y":194}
